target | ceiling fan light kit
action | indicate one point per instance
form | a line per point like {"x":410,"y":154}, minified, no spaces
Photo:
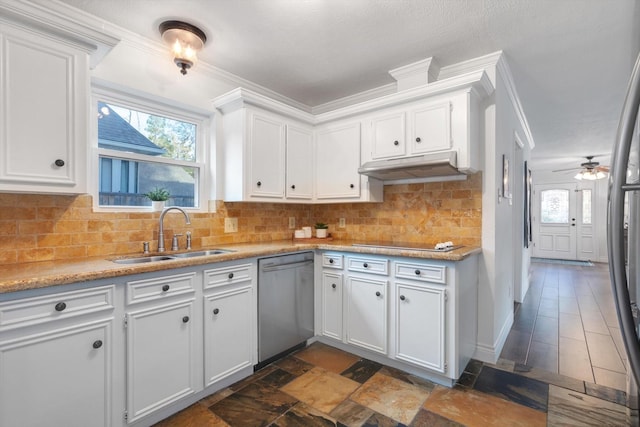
{"x":589,"y":170}
{"x":590,"y":175}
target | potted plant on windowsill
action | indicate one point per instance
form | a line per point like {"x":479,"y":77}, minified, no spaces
{"x":158,"y":197}
{"x":321,"y":230}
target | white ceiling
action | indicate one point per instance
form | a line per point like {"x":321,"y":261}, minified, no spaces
{"x":570,"y":59}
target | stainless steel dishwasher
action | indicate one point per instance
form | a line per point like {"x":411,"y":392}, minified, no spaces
{"x":285,"y":304}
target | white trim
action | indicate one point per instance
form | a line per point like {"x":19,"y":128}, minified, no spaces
{"x":486,"y":62}
{"x":357,"y":98}
{"x":237,"y":98}
{"x":62,"y":20}
{"x":478,"y":81}
{"x":491,"y":353}
{"x":154,"y":105}
{"x":505,"y":72}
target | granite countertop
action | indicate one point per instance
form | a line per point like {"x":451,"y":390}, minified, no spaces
{"x":18,"y":277}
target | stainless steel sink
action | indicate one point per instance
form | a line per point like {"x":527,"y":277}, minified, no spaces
{"x":201,"y":253}
{"x":142,"y":260}
{"x":156,"y":258}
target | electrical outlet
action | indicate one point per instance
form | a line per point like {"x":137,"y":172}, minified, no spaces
{"x":292,"y":222}
{"x":342,"y":223}
{"x":231,"y":225}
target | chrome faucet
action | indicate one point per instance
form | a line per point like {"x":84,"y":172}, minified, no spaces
{"x":161,"y":227}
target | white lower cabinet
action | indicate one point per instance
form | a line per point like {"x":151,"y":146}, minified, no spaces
{"x":419,"y":315}
{"x":160,"y":357}
{"x":228,"y":322}
{"x":332,"y":304}
{"x":420,"y":325}
{"x":56,"y":360}
{"x":366,"y":313}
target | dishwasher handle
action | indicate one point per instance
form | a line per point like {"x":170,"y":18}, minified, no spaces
{"x":286,"y":265}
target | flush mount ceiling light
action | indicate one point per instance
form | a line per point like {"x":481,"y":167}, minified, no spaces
{"x":185,"y":41}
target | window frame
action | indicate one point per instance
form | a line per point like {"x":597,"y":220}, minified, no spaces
{"x":150,"y":104}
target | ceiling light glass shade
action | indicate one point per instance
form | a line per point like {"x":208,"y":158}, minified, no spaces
{"x":590,"y":175}
{"x":185,"y":41}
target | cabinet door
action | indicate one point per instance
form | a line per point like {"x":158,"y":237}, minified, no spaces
{"x":420,"y":325}
{"x":388,"y":136}
{"x":366,"y":313}
{"x":337,"y":155}
{"x":431,"y":128}
{"x":299,"y":163}
{"x":266,"y":156}
{"x":160,"y":357}
{"x":59,"y":378}
{"x":332,"y":305}
{"x":43,"y":114}
{"x":228,"y":333}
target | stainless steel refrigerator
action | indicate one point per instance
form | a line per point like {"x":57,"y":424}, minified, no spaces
{"x":623,"y":233}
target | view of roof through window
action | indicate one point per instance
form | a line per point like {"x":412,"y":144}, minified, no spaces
{"x":149,"y":145}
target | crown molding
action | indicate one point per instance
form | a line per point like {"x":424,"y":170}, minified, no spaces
{"x":357,"y":98}
{"x":415,"y":74}
{"x":505,"y":72}
{"x":477,"y":81}
{"x":486,"y":62}
{"x":63,"y":21}
{"x":241,"y":97}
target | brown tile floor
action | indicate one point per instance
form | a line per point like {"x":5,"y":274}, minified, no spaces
{"x":323,"y":386}
{"x":567,"y":325}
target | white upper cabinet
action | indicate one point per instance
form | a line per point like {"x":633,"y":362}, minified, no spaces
{"x":44,"y":99}
{"x":388,"y":136}
{"x":337,"y":159}
{"x":266,"y":151}
{"x":266,"y":159}
{"x":431,"y":128}
{"x":428,"y":126}
{"x":264,"y":156}
{"x":299,"y":173}
{"x":43,"y":114}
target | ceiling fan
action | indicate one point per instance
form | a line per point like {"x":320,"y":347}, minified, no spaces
{"x":588,"y":170}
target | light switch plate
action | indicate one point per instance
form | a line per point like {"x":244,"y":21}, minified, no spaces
{"x":292,"y":222}
{"x":342,"y":223}
{"x":231,"y":225}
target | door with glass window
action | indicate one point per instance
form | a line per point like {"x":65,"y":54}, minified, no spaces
{"x":562,"y":219}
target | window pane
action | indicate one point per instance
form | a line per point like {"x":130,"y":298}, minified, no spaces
{"x":554,"y":206}
{"x":586,"y":206}
{"x":125,"y":182}
{"x":124,"y":129}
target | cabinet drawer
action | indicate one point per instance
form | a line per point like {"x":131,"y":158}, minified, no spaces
{"x":32,"y":311}
{"x":159,"y":287}
{"x":227,"y":275}
{"x":422,"y":272}
{"x":332,"y":261}
{"x":368,"y":265}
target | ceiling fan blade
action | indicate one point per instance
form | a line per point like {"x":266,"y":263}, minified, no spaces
{"x":603,"y":168}
{"x":568,"y":169}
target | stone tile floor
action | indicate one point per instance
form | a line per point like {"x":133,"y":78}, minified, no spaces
{"x":324,"y":386}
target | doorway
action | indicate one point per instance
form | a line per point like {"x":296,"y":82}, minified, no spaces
{"x":563,"y":221}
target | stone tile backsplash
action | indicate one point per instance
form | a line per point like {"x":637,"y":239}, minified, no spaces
{"x":53,"y":227}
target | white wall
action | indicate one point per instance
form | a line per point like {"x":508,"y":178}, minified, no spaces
{"x":496,"y":280}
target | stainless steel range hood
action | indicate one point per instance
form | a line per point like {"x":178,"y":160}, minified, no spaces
{"x":425,"y":166}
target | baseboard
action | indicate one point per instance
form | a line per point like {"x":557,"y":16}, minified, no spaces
{"x":490,"y":353}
